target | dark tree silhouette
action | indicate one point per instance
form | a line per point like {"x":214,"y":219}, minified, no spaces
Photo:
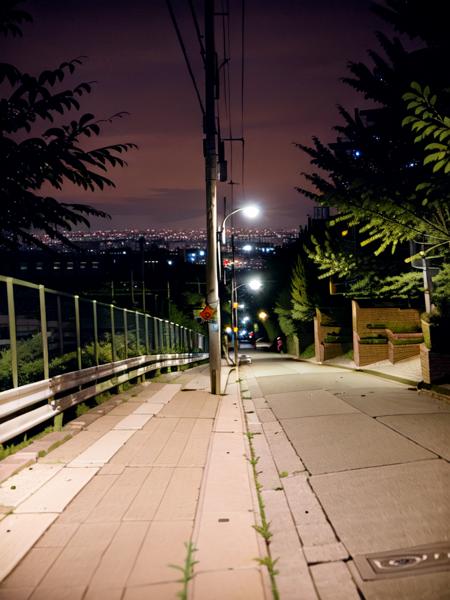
{"x":372,"y":172}
{"x":31,"y":163}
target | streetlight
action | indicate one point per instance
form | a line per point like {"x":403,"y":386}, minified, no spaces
{"x":262,"y":315}
{"x":251,"y":211}
{"x":254,"y":284}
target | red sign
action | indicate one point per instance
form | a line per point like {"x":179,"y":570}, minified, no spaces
{"x":207,"y":313}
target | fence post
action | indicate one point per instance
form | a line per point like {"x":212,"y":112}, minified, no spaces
{"x":136,"y":319}
{"x":125,"y":331}
{"x":147,"y":341}
{"x":12,"y":331}
{"x":78,"y":329}
{"x":94,"y":314}
{"x":60,"y":325}
{"x":113,"y":334}
{"x":43,"y":315}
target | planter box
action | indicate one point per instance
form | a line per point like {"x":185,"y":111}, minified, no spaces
{"x":331,"y":350}
{"x":435,"y":366}
{"x":397,"y":353}
{"x":365,"y":354}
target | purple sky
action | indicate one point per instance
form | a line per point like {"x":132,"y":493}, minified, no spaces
{"x":296,"y":51}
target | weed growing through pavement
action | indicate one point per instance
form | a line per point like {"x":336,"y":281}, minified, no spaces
{"x":187,"y":570}
{"x":264,"y":528}
{"x":283,"y":474}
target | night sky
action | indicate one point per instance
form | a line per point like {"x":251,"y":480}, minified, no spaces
{"x":295,"y":53}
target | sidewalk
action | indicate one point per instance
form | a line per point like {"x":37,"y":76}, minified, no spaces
{"x":109,"y":513}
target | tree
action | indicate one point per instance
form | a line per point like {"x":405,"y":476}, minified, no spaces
{"x":372,"y":171}
{"x":31,"y":162}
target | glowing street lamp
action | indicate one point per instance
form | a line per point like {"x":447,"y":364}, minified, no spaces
{"x":262,"y":315}
{"x":251,"y":211}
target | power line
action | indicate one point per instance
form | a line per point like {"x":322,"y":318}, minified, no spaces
{"x":186,"y":58}
{"x":197,"y":29}
{"x":242,"y":93}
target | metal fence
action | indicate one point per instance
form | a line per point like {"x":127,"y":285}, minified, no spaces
{"x":45,"y":333}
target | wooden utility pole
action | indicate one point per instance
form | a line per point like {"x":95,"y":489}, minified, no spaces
{"x":212,"y":281}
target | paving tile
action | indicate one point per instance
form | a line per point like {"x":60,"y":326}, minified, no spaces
{"x":123,"y":409}
{"x":32,"y":568}
{"x":325,"y":553}
{"x":104,"y":423}
{"x":147,"y":500}
{"x":226,"y":540}
{"x":306,"y":381}
{"x":164,"y":545}
{"x":229,"y":417}
{"x":162,"y":395}
{"x":429,"y":430}
{"x":149,"y":408}
{"x":179,"y":502}
{"x":236,"y":584}
{"x":78,"y":561}
{"x":228,"y":483}
{"x":17,"y":488}
{"x":431,"y":586}
{"x":386,"y":508}
{"x":394,"y":402}
{"x":260,"y":402}
{"x":158,"y":591}
{"x":282,"y":450}
{"x":134,"y":445}
{"x":57,"y":535}
{"x":59,"y":593}
{"x":196,"y":450}
{"x":155,"y":443}
{"x":294,"y":580}
{"x":174,"y":448}
{"x":302,"y":501}
{"x":119,"y":496}
{"x":102,"y":450}
{"x":267,"y":471}
{"x":316,"y":533}
{"x":265,"y":415}
{"x":80,"y":508}
{"x":18,"y":533}
{"x":111,"y":469}
{"x":119,"y":558}
{"x":56,"y":494}
{"x":348,"y":441}
{"x":307,"y":404}
{"x":72,"y":448}
{"x":7,"y":469}
{"x":334,"y":582}
{"x":104,"y":594}
{"x":133,"y":421}
{"x":22,"y":593}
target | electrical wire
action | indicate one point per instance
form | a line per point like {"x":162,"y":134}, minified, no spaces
{"x":197,"y":29}
{"x":186,"y":58}
{"x":242,"y":94}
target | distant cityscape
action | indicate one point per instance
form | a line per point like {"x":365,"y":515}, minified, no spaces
{"x":171,"y":238}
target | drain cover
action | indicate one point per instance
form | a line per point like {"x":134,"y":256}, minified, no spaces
{"x":406,"y":561}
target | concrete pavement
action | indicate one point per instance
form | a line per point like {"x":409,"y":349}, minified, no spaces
{"x":347,"y":465}
{"x":351,"y":465}
{"x":111,"y":512}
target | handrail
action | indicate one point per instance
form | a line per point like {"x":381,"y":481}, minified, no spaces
{"x":42,"y":394}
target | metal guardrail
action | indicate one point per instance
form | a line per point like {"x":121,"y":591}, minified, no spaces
{"x":44,"y":333}
{"x":45,"y":400}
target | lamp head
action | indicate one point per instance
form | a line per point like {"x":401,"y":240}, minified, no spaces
{"x":255,"y":284}
{"x":251,"y":211}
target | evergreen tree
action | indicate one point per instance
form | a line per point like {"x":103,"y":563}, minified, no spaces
{"x":373,"y":169}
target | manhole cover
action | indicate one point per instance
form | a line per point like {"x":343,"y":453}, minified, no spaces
{"x":399,"y":563}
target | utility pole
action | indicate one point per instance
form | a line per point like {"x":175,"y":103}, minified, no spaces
{"x":210,"y":145}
